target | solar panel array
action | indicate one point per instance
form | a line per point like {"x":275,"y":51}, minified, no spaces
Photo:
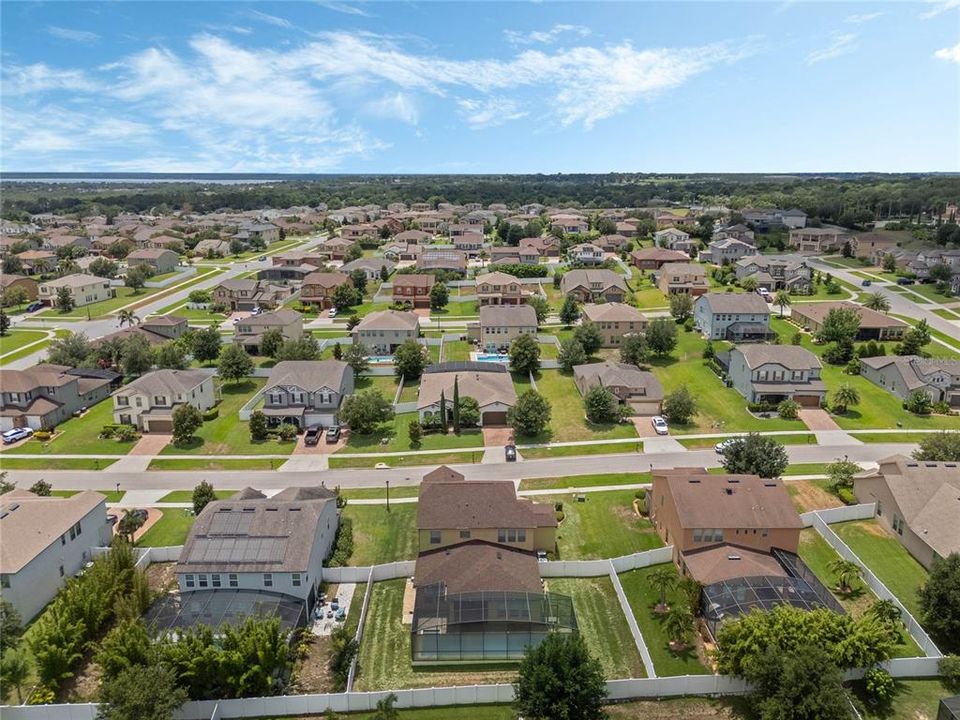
{"x":230,"y":523}
{"x":237,"y":550}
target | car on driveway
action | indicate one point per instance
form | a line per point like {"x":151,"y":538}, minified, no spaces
{"x":332,"y":313}
{"x":721,"y":446}
{"x":333,"y":433}
{"x":34,"y":306}
{"x":904,"y":281}
{"x":16,"y":434}
{"x":659,"y":425}
{"x":312,"y":435}
{"x":510,"y":452}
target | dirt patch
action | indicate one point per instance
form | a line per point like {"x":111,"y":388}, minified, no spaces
{"x":84,"y":686}
{"x":161,"y":577}
{"x":808,"y":496}
{"x":873,"y":528}
{"x":687,"y":709}
{"x":312,"y":671}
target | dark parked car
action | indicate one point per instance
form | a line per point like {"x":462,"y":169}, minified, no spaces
{"x":34,"y":306}
{"x":904,"y":281}
{"x":333,"y":433}
{"x":510,"y":451}
{"x":866,"y":283}
{"x":312,"y":435}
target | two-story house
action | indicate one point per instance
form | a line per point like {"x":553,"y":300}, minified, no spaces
{"x":307,"y":392}
{"x":585,"y":254}
{"x":816,"y":241}
{"x":449,"y":259}
{"x":776,"y":272}
{"x":674,"y":239}
{"x":298,"y":258}
{"x":246,"y":294}
{"x":28,"y":285}
{"x":508,"y":255}
{"x":249,"y":332}
{"x":738,"y":231}
{"x":318,"y":288}
{"x":724,"y":252}
{"x":637,"y":389}
{"x":653,"y":258}
{"x":737,"y":317}
{"x":546,"y":246}
{"x":413,"y":289}
{"x":591,"y":285}
{"x":412,"y":237}
{"x":499,"y":288}
{"x":383,"y":331}
{"x":772,"y":373}
{"x":43,"y":396}
{"x":614,"y":320}
{"x":500,"y":325}
{"x":569,"y":224}
{"x":148,"y":402}
{"x":903,"y":375}
{"x":616,"y":242}
{"x":160,"y":261}
{"x":84,"y":289}
{"x":334,"y":248}
{"x":682,"y":278}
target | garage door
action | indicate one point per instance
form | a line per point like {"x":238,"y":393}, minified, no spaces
{"x":492,"y":419}
{"x":160,"y":426}
{"x":645,"y":408}
{"x":808,"y":400}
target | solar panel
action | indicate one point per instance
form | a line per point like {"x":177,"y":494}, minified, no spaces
{"x":230,"y":523}
{"x":237,"y":550}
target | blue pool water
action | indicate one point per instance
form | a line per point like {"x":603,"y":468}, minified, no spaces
{"x":379,"y":359}
{"x":494,"y":357}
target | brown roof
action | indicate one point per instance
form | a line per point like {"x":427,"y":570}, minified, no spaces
{"x":478,"y":504}
{"x":443,"y":473}
{"x":612,"y":312}
{"x":726,"y":561}
{"x":42,"y":375}
{"x":487,"y":385}
{"x":817,"y":312}
{"x":150,"y":254}
{"x":326,"y":279}
{"x":514,"y":316}
{"x":414,"y":280}
{"x":659,"y":254}
{"x":478,"y":567}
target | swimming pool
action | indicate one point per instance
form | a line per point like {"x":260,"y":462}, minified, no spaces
{"x":493,"y":357}
{"x":380,"y":359}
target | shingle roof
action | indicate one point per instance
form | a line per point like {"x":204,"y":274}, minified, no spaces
{"x":612,"y":312}
{"x":725,"y":561}
{"x":272,"y":319}
{"x":309,"y":375}
{"x":414,"y":280}
{"x":521,"y":316}
{"x":326,"y":279}
{"x":735,"y":303}
{"x":609,"y":374}
{"x":817,"y":312}
{"x":586,"y":278}
{"x":164,"y":381}
{"x":485,"y":386}
{"x":390,"y":320}
{"x":478,"y":567}
{"x":792,"y":357}
{"x":479,"y":504}
{"x":76,"y":280}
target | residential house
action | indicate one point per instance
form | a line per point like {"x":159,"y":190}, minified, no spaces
{"x":729,"y":250}
{"x":245,"y":294}
{"x":525,"y":254}
{"x":334,"y":248}
{"x":307,"y":392}
{"x":148,"y":402}
{"x":666,"y":220}
{"x":53,"y":243}
{"x":903,"y":375}
{"x":772,"y":373}
{"x":460,"y":230}
{"x":816,"y":241}
{"x":674,"y":239}
{"x":591,"y":285}
{"x":249,"y":332}
{"x":569,"y":224}
{"x":775,"y":219}
{"x":626,"y":228}
{"x":400,"y":252}
{"x":499,"y":288}
{"x":37,"y":261}
{"x":500,"y":324}
{"x":653,"y":258}
{"x":413,"y":237}
{"x":637,"y":389}
{"x":737,"y":232}
{"x":737,"y":317}
{"x":165,"y":242}
{"x":547,"y":246}
{"x":413,"y":289}
{"x":470,"y":244}
{"x":383,"y":331}
{"x":47,"y":541}
{"x":585,"y":254}
{"x":297,"y":258}
{"x":873,"y":325}
{"x":868,"y":245}
{"x":918,"y":502}
{"x":252,"y":548}
{"x":615,"y":321}
{"x":433,"y":258}
{"x":158,"y":260}
{"x":212,"y":247}
{"x":28,"y":285}
{"x":84,"y":289}
{"x":432,"y":224}
{"x":490,"y":384}
{"x":682,"y":278}
{"x":372,"y":267}
{"x":43,"y":396}
{"x":614,"y":243}
{"x":318,"y":288}
{"x":155,"y":330}
{"x":777,"y":272}
{"x":285,"y":274}
{"x":258,"y":232}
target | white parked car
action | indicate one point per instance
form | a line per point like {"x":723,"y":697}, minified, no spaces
{"x":332,"y":313}
{"x":12,"y":436}
{"x":381,"y":466}
{"x":724,"y":444}
{"x":659,"y":425}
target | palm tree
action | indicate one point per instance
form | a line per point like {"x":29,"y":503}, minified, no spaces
{"x":678,"y":624}
{"x":846,"y":571}
{"x":16,"y":669}
{"x":782,"y":299}
{"x":749,"y":284}
{"x":845,"y":396}
{"x":129,"y":524}
{"x":127,"y":317}
{"x":877,"y":301}
{"x":886,"y":611}
{"x":662,"y":579}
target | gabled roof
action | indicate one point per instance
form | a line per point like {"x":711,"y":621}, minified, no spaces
{"x":612,"y":312}
{"x":389,"y":320}
{"x":161,"y":382}
{"x":478,"y":567}
{"x":735,"y":303}
{"x":611,"y":374}
{"x":792,"y":357}
{"x":326,"y":279}
{"x":521,"y":316}
{"x":310,"y":375}
{"x":486,"y":385}
{"x":479,"y":504}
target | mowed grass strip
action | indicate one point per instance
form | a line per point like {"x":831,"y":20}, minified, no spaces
{"x":16,"y":339}
{"x":380,"y":536}
{"x":700,"y":443}
{"x":642,"y":597}
{"x":583,"y":481}
{"x":112,"y":496}
{"x":193,"y":465}
{"x":629,"y":446}
{"x":8,"y":462}
{"x":369,"y":461}
{"x":602,"y":624}
{"x":186,"y":496}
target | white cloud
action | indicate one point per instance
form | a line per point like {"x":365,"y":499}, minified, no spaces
{"x":859,"y":19}
{"x":37,"y":78}
{"x":950,"y":54}
{"x":82,"y":36}
{"x":841,"y":44}
{"x":490,"y":112}
{"x":271,"y":19}
{"x":398,"y":106}
{"x":939,"y":7}
{"x":347,"y":8}
{"x":545,"y":36}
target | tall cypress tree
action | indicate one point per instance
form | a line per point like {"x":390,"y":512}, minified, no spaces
{"x":456,"y":404}
{"x":443,"y":412}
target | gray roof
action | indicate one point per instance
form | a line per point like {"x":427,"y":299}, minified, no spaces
{"x":486,"y":386}
{"x":735,"y":303}
{"x":610,"y":374}
{"x":792,"y":357}
{"x":612,"y":312}
{"x":369,"y":264}
{"x":272,"y":319}
{"x":606,"y":278}
{"x":310,"y":375}
{"x":390,"y":320}
{"x":520,"y":316}
{"x":161,"y":382}
{"x":76,"y":280}
{"x":914,"y":369}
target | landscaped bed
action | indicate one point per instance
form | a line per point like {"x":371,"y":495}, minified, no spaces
{"x":397,"y":433}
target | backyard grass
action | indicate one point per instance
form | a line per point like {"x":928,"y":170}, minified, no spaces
{"x":112,"y":495}
{"x":191,"y":464}
{"x":16,"y":339}
{"x":456,"y":350}
{"x":171,"y":529}
{"x":397,"y":434}
{"x":384,"y":660}
{"x":887,"y":558}
{"x":603,"y":526}
{"x":647,"y":295}
{"x":457,"y":309}
{"x":369,"y":461}
{"x":929,"y":291}
{"x":380,"y":536}
{"x":9,"y":462}
{"x":79,"y":436}
{"x":914,"y":700}
{"x":386,"y":384}
{"x":601,"y":622}
{"x":548,"y":351}
{"x":583,"y":481}
{"x":411,"y":389}
{"x":186,"y":496}
{"x":632,"y":446}
{"x":642,"y":597}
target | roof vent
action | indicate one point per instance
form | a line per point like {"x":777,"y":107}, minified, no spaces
{"x":295,"y":509}
{"x":729,"y":491}
{"x":733,"y":557}
{"x":272,"y":509}
{"x":249,"y":510}
{"x":733,"y":481}
{"x":769,"y":484}
{"x":693,"y":482}
{"x":499,"y":556}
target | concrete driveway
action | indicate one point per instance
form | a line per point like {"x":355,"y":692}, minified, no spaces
{"x":322,"y":447}
{"x":817,"y":419}
{"x":151,"y":444}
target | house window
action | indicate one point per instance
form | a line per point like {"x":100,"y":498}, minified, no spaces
{"x":698,"y":535}
{"x":295,"y":580}
{"x":521,"y":535}
{"x":434,"y":537}
{"x":123,"y":401}
{"x":202,"y":581}
{"x":501,"y":535}
{"x":4,"y":581}
{"x":63,"y":539}
{"x":268,"y":579}
{"x":215,"y":581}
{"x":464,"y":534}
{"x":61,"y":571}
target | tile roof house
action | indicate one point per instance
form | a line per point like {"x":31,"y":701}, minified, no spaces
{"x":653,"y":258}
{"x":638,"y":389}
{"x":682,"y":278}
{"x":545,"y":246}
{"x":918,"y":502}
{"x":307,"y":392}
{"x":500,"y":325}
{"x":47,"y":540}
{"x":616,"y":242}
{"x":873,"y":325}
{"x":157,"y":259}
{"x":615,"y":321}
{"x":43,"y":396}
{"x":413,"y":289}
{"x":148,"y":402}
{"x":902,"y":375}
{"x":319,"y":287}
{"x":249,"y":332}
{"x":84,"y":289}
{"x":772,"y":373}
{"x":490,"y":384}
{"x":737,"y":317}
{"x":776,"y":272}
{"x":591,"y":285}
{"x":499,"y":288}
{"x":383,"y":331}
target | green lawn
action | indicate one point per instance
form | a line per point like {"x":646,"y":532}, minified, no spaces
{"x":602,"y":624}
{"x":583,"y":481}
{"x":915,"y":700}
{"x":411,"y":389}
{"x":397,"y":433}
{"x":889,"y":437}
{"x":632,"y":446}
{"x":380,"y":536}
{"x":16,"y":339}
{"x":80,"y":436}
{"x":929,"y":291}
{"x":171,"y":529}
{"x":194,"y":316}
{"x":887,"y":558}
{"x":197,"y":464}
{"x":9,"y":462}
{"x":386,"y":384}
{"x":124,"y":296}
{"x":165,"y":276}
{"x":946,"y":314}
{"x":456,"y":350}
{"x":376,"y":493}
{"x":369,"y":461}
{"x":696,"y":443}
{"x":186,"y":496}
{"x":112,"y":495}
{"x":642,"y":598}
{"x":457,"y":309}
{"x":548,"y":351}
{"x":603,"y":526}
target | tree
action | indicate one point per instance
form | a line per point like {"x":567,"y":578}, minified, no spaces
{"x":525,"y":354}
{"x":841,"y":473}
{"x":803,"y":684}
{"x":571,"y":354}
{"x":914,"y":339}
{"x":415,"y":432}
{"x":64,"y":299}
{"x":186,"y":421}
{"x":137,"y":277}
{"x":409,"y":360}
{"x":662,"y":579}
{"x":356,"y":357}
{"x":343,"y":649}
{"x":346,"y":295}
{"x":782,"y":300}
{"x":141,"y":692}
{"x":681,"y":306}
{"x":941,"y":272}
{"x":840,"y":326}
{"x":203,"y":495}
{"x":359,"y":279}
{"x":171,"y":355}
{"x":634,"y":349}
{"x":4,"y":323}
{"x":41,"y":488}
{"x":12,"y":265}
{"x":456,"y":404}
{"x":384,"y":273}
{"x":15,"y":669}
{"x":601,"y":405}
{"x":755,"y":455}
{"x":237,"y":246}
{"x":74,"y":350}
{"x":304,"y":347}
{"x":444,"y":415}
{"x":103,"y":267}
{"x":939,"y":447}
{"x":678,"y":624}
{"x":877,"y":301}
{"x":234,"y":363}
{"x":940,"y":602}
{"x":530,"y":414}
{"x":845,"y":396}
{"x":788,"y":409}
{"x":14,"y":296}
{"x":560,"y":679}
{"x":847,"y":250}
{"x":128,"y":524}
{"x":259,"y":426}
{"x":846,"y":571}
{"x":365,"y":410}
{"x":750,"y":284}
{"x":679,"y":406}
{"x":589,"y":337}
{"x":889,"y":263}
{"x":337,"y":351}
{"x":439,"y":296}
{"x":662,"y":336}
{"x":469,"y":412}
{"x":205,"y":344}
{"x":137,"y":357}
{"x":127,"y":317}
{"x":918,"y":402}
{"x":271,"y":341}
{"x":570,"y":311}
{"x":11,"y":625}
{"x":540,"y":307}
{"x":385,"y":709}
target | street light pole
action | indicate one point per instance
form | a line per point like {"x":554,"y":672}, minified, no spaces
{"x":388,"y":495}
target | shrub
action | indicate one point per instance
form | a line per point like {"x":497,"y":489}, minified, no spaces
{"x":879,"y":686}
{"x":42,"y":435}
{"x":640,"y":494}
{"x":108,"y":431}
{"x":949,"y":668}
{"x":939,"y":407}
{"x":287,"y":432}
{"x":788,"y":409}
{"x":342,"y":544}
{"x":125,"y":433}
{"x":211,"y":414}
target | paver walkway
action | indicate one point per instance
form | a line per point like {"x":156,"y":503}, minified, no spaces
{"x":151,"y":444}
{"x":817,"y":419}
{"x":497,"y":436}
{"x":644,"y":426}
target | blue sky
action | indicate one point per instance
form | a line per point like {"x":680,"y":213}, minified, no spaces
{"x":480,"y":87}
